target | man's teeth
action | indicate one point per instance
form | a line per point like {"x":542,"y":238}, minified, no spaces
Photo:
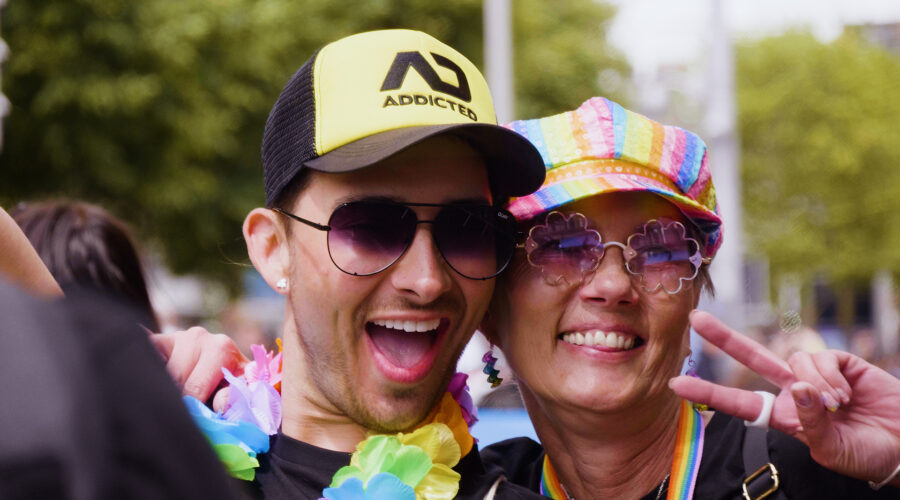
{"x":600,"y":339}
{"x":408,"y":325}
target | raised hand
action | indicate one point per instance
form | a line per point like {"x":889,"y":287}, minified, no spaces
{"x":858,"y":437}
{"x":195,"y":359}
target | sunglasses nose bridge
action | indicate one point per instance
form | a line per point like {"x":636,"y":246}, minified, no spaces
{"x":422,"y":269}
{"x":435,"y":241}
{"x":603,"y":255}
{"x":625,"y":253}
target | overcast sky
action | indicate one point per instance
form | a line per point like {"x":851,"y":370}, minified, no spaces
{"x":653,"y":32}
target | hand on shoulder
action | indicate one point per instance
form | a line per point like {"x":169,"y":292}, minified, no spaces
{"x":195,"y":358}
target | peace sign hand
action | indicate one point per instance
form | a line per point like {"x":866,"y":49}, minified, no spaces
{"x":859,"y":437}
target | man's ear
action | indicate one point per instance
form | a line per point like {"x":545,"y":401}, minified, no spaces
{"x":267,"y":246}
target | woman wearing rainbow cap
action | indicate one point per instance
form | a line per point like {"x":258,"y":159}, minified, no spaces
{"x":594,"y":315}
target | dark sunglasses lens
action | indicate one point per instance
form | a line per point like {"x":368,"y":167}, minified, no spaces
{"x":477,"y":242}
{"x":366,"y":238}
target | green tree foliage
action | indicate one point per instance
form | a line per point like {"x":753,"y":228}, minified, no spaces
{"x":156,"y":108}
{"x":819,"y":126}
{"x":560,"y":50}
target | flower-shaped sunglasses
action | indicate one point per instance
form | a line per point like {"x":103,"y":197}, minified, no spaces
{"x":661,"y":254}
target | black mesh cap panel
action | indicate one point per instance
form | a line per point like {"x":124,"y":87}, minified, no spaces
{"x":289,"y":137}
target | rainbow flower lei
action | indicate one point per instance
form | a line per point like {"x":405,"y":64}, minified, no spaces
{"x":416,"y":465}
{"x":252,"y":414}
{"x":405,"y":466}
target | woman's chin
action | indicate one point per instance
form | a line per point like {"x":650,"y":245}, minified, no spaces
{"x":597,"y":397}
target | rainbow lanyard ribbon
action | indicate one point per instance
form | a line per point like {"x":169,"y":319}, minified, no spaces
{"x":685,"y":463}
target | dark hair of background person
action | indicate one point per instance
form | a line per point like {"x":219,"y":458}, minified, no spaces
{"x":82,"y":244}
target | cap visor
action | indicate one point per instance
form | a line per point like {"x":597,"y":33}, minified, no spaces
{"x":568,"y":191}
{"x":514,"y":165}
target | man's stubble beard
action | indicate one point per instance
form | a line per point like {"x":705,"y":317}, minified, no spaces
{"x":337,"y":387}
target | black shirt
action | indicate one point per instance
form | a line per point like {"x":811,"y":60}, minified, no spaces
{"x":294,"y":470}
{"x":721,"y":469}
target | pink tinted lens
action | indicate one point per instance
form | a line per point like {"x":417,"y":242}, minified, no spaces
{"x":663,"y":255}
{"x":562,"y":254}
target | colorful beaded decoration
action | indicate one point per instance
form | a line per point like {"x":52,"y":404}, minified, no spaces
{"x":489,"y":370}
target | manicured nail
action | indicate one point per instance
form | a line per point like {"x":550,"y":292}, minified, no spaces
{"x":803,"y":400}
{"x":843,"y":395}
{"x":829,"y":402}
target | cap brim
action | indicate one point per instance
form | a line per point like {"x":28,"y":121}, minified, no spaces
{"x":567,"y":191}
{"x":515,"y":166}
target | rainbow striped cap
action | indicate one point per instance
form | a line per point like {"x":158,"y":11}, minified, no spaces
{"x":602,"y":147}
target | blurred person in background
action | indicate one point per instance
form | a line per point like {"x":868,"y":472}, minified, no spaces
{"x":88,"y":410}
{"x":245,"y":329}
{"x":86,"y":246}
{"x":19,"y":262}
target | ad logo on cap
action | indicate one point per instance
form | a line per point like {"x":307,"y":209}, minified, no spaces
{"x":403,"y":61}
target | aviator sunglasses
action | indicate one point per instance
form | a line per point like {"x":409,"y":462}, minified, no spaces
{"x":367,"y":237}
{"x":660,"y":253}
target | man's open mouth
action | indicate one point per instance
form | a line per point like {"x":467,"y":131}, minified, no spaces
{"x":404,"y":343}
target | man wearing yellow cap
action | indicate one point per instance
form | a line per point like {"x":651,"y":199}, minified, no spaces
{"x":383,"y":168}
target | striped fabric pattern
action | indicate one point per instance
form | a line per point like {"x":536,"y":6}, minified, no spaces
{"x":602,"y":147}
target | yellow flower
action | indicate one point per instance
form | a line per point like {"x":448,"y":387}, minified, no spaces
{"x":448,"y":413}
{"x":443,"y":437}
{"x":438,"y":441}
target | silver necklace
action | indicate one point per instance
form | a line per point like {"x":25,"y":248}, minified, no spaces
{"x":662,"y":486}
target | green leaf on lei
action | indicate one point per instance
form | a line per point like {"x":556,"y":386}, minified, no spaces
{"x":374,"y":453}
{"x":411,"y":464}
{"x":237,"y":462}
{"x":382,"y":453}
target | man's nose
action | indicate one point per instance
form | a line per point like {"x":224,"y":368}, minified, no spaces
{"x":421,"y":272}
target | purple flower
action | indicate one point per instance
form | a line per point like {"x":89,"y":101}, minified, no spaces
{"x":460,"y":392}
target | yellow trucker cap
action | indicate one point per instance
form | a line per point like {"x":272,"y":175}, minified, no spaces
{"x":366,"y":97}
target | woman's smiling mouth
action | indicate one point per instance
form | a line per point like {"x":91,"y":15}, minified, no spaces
{"x":617,"y":341}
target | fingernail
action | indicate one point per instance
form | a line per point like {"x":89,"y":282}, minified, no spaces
{"x":843,"y":395}
{"x":829,"y":402}
{"x":803,"y":400}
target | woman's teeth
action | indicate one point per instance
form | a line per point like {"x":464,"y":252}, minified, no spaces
{"x":408,"y":325}
{"x":600,"y":339}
